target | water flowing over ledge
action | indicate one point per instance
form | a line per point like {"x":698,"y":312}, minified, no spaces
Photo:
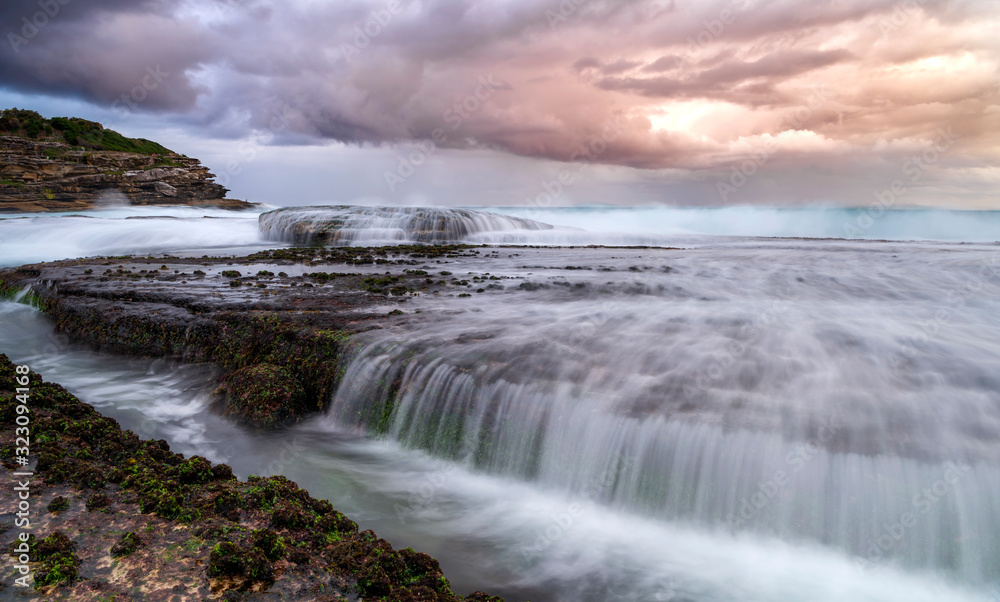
{"x":561,"y":436}
{"x":616,"y":226}
{"x":832,"y":404}
{"x":783,"y":394}
{"x":346,"y":225}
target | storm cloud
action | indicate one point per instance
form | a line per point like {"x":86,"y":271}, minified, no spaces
{"x":697,"y":86}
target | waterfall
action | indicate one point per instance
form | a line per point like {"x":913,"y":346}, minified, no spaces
{"x":21,"y":294}
{"x":741,"y":398}
{"x":385,"y":225}
{"x":737,"y":479}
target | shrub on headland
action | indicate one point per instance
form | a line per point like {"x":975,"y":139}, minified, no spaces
{"x":74,"y":132}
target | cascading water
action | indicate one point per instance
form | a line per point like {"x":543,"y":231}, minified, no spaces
{"x":744,"y":420}
{"x":348,"y":224}
{"x":117,"y":231}
{"x":828,"y":394}
{"x":649,"y":226}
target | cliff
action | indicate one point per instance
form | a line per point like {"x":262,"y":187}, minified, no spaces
{"x":67,"y":164}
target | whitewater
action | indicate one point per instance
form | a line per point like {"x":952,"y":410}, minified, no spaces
{"x":124,"y":230}
{"x":764,"y":404}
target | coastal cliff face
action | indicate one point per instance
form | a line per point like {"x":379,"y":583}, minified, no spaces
{"x":71,"y":164}
{"x":52,"y":176}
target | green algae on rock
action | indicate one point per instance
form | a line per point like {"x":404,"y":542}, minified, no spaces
{"x":263,"y":395}
{"x":291,"y":335}
{"x":167,"y":526}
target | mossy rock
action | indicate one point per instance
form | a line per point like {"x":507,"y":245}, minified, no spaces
{"x":290,"y":516}
{"x":268,"y":542}
{"x":195,"y":471}
{"x":482,"y":597}
{"x":86,"y":451}
{"x":170,"y":506}
{"x":335,"y":523}
{"x":256,"y":566}
{"x":223,"y":472}
{"x":227,"y":559}
{"x":263,"y":395}
{"x":58,"y":504}
{"x":386,"y":574}
{"x":98,"y":501}
{"x":227,"y":504}
{"x":58,"y":562}
{"x":299,"y":556}
{"x":129,"y":543}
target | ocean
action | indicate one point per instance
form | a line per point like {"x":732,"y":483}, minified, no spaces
{"x":677,"y":404}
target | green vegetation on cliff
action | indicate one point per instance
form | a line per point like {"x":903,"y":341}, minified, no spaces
{"x":70,"y":164}
{"x":73,"y":131}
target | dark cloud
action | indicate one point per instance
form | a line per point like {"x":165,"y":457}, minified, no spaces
{"x":693,"y":83}
{"x":619,"y":66}
{"x":586,"y":63}
{"x":734,"y":80}
{"x":107,"y":52}
{"x":13,"y":13}
{"x":664,"y":63}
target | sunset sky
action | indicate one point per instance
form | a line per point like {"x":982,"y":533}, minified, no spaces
{"x":680,"y":102}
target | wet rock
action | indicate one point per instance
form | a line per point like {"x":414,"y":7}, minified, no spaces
{"x":343,"y":224}
{"x":58,"y":562}
{"x":129,"y":543}
{"x":98,"y":501}
{"x":263,"y":395}
{"x":185,"y":527}
{"x":58,"y":504}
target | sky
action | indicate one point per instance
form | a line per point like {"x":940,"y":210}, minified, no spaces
{"x":536,"y":102}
